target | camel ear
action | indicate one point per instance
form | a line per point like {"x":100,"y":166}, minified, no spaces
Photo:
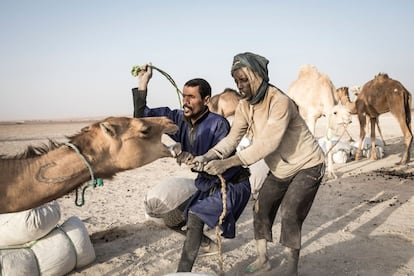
{"x":108,"y":129}
{"x":86,"y":129}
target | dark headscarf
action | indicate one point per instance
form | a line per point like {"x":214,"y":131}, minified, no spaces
{"x":257,"y":64}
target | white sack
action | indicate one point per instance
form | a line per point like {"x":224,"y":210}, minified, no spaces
{"x":58,"y":253}
{"x":29,"y":225}
{"x":18,"y":262}
{"x":55,"y":254}
{"x":341,"y":152}
{"x":168,"y":195}
{"x":79,"y":236}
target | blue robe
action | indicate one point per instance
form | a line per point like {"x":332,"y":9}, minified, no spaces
{"x":197,"y":139}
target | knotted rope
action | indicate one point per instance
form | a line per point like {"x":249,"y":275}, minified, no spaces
{"x":220,"y":222}
{"x":339,"y":138}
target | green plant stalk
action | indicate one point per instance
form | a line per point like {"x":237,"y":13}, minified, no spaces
{"x":135,"y":70}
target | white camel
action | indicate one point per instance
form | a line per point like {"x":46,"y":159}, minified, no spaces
{"x":314,"y":93}
{"x":339,"y":118}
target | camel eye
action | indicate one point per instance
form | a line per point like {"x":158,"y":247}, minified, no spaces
{"x":335,"y":113}
{"x":145,"y":131}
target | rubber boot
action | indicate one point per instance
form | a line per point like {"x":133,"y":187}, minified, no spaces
{"x":292,"y":262}
{"x":191,"y":244}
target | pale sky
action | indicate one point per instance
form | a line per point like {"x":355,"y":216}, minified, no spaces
{"x":72,"y":59}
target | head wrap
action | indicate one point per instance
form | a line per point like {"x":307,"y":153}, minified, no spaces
{"x":255,"y":62}
{"x":258,"y":65}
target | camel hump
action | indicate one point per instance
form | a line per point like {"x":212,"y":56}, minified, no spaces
{"x":382,"y":76}
{"x":307,"y":70}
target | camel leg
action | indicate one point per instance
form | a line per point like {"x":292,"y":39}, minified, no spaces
{"x":329,"y":157}
{"x":362,"y":123}
{"x":373,"y":146}
{"x":408,"y":138}
{"x":379,"y":130}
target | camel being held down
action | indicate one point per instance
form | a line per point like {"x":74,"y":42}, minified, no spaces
{"x":380,"y":95}
{"x":102,"y":149}
{"x":314,"y":93}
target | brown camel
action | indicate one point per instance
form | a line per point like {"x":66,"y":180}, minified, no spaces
{"x":113,"y":145}
{"x":314,"y":93}
{"x":343,"y":94}
{"x":224,"y":103}
{"x":380,"y":95}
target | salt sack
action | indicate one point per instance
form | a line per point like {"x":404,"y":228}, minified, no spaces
{"x":65,"y":248}
{"x":22,"y":227}
{"x":168,"y":195}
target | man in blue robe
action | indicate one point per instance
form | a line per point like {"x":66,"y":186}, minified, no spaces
{"x":199,"y":130}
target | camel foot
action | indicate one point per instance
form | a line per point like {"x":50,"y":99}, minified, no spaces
{"x":332,"y":175}
{"x":402,"y":163}
{"x":258,"y":266}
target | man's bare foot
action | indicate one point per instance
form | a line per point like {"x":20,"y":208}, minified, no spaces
{"x":260,"y":265}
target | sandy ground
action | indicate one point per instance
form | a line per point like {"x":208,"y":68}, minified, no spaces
{"x":360,"y":224}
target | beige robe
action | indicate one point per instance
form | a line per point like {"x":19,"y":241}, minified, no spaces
{"x":278,"y":134}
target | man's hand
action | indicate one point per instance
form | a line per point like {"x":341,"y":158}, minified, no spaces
{"x":216,"y":167}
{"x":144,"y":75}
{"x":184,"y":157}
{"x":198,"y":163}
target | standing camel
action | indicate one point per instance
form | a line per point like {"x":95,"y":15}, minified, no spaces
{"x":380,"y":95}
{"x":102,"y":149}
{"x":343,"y":94}
{"x":314,"y":93}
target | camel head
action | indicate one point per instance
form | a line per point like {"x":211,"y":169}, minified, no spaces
{"x":339,"y":117}
{"x":120,"y":143}
{"x":343,"y":95}
{"x":355,"y":90}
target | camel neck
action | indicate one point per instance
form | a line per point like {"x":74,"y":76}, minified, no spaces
{"x":94,"y":182}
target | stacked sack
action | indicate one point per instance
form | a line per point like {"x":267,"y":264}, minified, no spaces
{"x":162,"y":200}
{"x":366,"y":147}
{"x":31,"y":242}
{"x":342,"y":151}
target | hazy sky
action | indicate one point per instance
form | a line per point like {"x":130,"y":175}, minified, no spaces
{"x":70,"y":59}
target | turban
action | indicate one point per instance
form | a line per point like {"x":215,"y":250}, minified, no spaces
{"x":255,"y":62}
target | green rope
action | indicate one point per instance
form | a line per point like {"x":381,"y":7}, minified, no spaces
{"x":136,"y":69}
{"x":93,"y":183}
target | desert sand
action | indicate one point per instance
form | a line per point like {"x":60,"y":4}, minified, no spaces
{"x":360,"y":224}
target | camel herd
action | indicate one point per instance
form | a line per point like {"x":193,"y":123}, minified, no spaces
{"x":316,"y":96}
